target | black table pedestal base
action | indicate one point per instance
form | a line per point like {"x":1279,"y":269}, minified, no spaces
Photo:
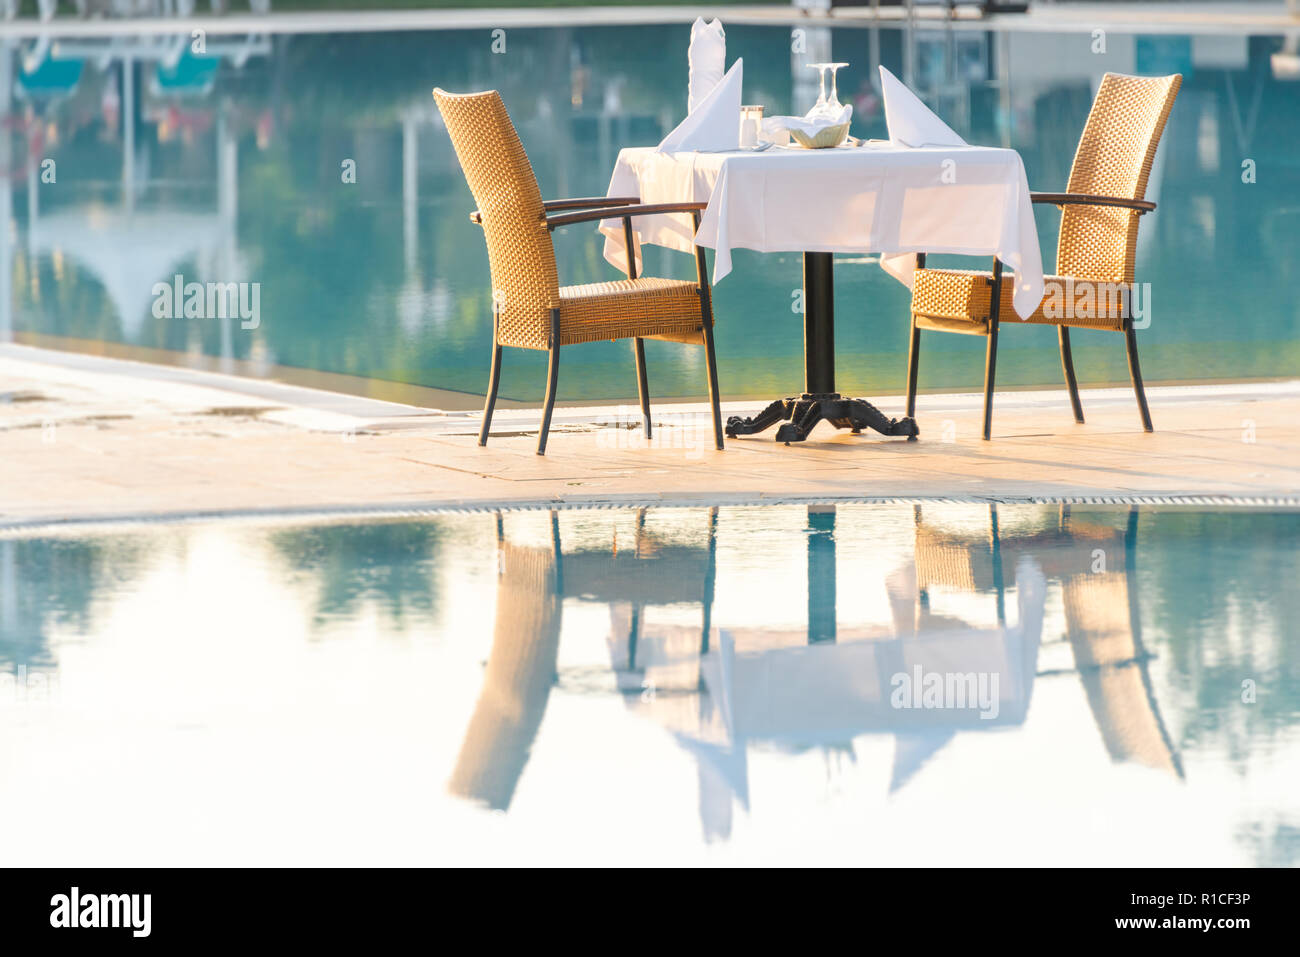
{"x":819,"y":402}
{"x":805,"y":411}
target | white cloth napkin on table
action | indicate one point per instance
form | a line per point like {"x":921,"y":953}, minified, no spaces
{"x":714,"y":125}
{"x":911,"y":122}
{"x":809,"y":126}
{"x":707,"y":57}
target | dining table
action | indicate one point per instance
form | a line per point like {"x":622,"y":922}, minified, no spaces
{"x":868,"y":197}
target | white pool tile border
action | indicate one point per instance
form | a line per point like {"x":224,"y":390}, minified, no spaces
{"x":93,"y":524}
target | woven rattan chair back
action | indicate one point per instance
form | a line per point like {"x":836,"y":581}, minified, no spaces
{"x":525,"y":282}
{"x":1113,"y":159}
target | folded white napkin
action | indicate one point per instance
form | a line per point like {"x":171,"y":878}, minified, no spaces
{"x":707,"y":57}
{"x":809,"y":126}
{"x":911,"y":122}
{"x":714,"y":125}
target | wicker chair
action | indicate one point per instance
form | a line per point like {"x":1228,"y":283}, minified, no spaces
{"x":530,"y":309}
{"x":1097,"y":245}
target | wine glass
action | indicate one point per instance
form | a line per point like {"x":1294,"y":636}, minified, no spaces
{"x":833,"y":106}
{"x":820,"y":106}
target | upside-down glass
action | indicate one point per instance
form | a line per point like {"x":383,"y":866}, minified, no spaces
{"x":820,"y":105}
{"x":833,"y":106}
{"x":826,"y":107}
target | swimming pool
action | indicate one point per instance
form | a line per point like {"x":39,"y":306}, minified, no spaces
{"x":378,"y":284}
{"x":892,"y":684}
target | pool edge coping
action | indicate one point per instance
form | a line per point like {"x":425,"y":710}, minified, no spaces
{"x":365,"y":513}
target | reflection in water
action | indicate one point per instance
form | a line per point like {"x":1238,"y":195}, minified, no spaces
{"x":923,"y":679}
{"x":518,"y":678}
{"x":743,"y":673}
{"x":162,"y":213}
{"x":230,"y":166}
{"x":347,"y":566}
{"x":46,"y":584}
{"x":1102,"y":619}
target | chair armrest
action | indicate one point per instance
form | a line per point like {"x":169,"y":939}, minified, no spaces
{"x":623,"y":212}
{"x":1085,"y":199}
{"x":593,"y":202}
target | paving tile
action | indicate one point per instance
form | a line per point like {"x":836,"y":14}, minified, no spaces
{"x":163,"y":458}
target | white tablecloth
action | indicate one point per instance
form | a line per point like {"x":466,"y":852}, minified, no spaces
{"x":895,"y":201}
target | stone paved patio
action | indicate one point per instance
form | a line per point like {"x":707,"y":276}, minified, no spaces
{"x":89,"y":438}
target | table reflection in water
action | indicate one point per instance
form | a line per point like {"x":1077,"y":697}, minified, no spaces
{"x":947,"y":657}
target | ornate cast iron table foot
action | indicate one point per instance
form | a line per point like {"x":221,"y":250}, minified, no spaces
{"x":805,"y":411}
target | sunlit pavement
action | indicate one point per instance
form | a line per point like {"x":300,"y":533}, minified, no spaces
{"x":110,"y":440}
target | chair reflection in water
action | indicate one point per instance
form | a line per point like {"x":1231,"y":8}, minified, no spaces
{"x":720,"y":690}
{"x":519,"y":675}
{"x":1102,"y":615}
{"x":533,"y":582}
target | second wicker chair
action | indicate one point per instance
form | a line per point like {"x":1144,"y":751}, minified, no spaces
{"x":1095,"y":252}
{"x":530,"y":309}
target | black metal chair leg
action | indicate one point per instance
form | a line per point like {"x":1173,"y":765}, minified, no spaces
{"x":552,"y":380}
{"x":494,"y":380}
{"x":1067,"y":364}
{"x":990,"y":369}
{"x":991,"y":355}
{"x":642,"y":387}
{"x":1135,"y":373}
{"x":706,"y":315}
{"x":913,"y":363}
{"x":711,"y":361}
{"x":914,"y":354}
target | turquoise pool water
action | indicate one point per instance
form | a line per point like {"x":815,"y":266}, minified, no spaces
{"x":941,"y":684}
{"x":237,"y":174}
